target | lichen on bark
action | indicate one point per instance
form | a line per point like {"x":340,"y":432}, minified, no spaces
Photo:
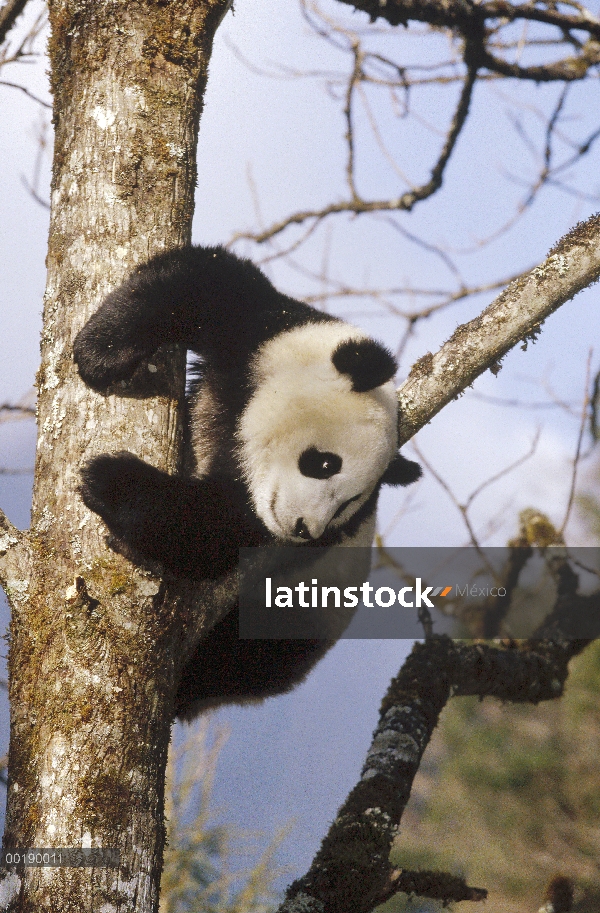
{"x":96,"y":643}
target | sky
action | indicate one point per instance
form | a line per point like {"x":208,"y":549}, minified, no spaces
{"x":279,"y":141}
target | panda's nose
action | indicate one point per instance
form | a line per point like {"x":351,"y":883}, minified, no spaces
{"x":301,"y":530}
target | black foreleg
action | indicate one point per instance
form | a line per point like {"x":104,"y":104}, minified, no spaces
{"x":202,"y":297}
{"x":225,"y":669}
{"x":193,"y":527}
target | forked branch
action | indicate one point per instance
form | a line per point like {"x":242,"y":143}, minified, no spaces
{"x":356,"y":205}
{"x":351,"y":871}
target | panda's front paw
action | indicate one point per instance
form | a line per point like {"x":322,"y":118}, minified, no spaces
{"x":110,"y":486}
{"x":101,"y":360}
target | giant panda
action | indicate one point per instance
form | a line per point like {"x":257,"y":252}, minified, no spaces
{"x":291,"y":430}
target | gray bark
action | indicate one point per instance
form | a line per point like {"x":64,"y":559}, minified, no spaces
{"x":96,"y":643}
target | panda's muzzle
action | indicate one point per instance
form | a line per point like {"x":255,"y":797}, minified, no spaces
{"x":301,"y":531}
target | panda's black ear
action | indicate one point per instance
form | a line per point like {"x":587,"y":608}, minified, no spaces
{"x":401,"y":471}
{"x":366,"y":362}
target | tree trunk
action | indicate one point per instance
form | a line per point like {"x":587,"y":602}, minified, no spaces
{"x":96,"y":643}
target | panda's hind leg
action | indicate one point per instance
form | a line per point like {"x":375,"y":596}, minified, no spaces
{"x":193,"y":527}
{"x":226,"y":670}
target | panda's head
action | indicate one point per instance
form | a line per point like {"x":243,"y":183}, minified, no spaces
{"x":320,"y":431}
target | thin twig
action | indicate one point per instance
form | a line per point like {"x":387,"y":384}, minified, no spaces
{"x":356,"y":205}
{"x":14,"y":85}
{"x":584,"y":412}
{"x":503,"y":472}
{"x":513,"y":403}
{"x":24,"y":409}
{"x":354,"y":80}
{"x":595,"y":409}
{"x":463,"y":510}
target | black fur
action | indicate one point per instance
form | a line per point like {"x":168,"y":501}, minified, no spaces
{"x":224,"y":309}
{"x":366,"y":362}
{"x":226,"y":669}
{"x":184,"y":523}
{"x":205,"y":298}
{"x":401,"y":472}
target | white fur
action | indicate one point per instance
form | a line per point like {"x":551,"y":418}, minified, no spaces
{"x":302,"y":401}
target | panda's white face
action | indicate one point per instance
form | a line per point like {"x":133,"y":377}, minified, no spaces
{"x":312,"y":450}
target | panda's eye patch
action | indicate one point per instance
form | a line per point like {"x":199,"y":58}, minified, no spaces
{"x":316,"y":464}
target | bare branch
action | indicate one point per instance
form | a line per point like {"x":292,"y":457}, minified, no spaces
{"x":353,"y":82}
{"x":582,"y":424}
{"x":502,"y":9}
{"x":503,"y":472}
{"x":595,"y":409}
{"x":436,"y":885}
{"x":427,"y":246}
{"x":24,"y":48}
{"x":4,"y":471}
{"x":479,"y":23}
{"x":379,"y":138}
{"x":9,"y":14}
{"x":515,"y":316}
{"x":567,"y":70}
{"x":14,"y":85}
{"x":407,"y":201}
{"x":464,"y":507}
{"x":351,"y":870}
{"x":24,"y":409}
{"x":460,"y":15}
{"x":34,"y":194}
{"x":44,"y":142}
{"x":515,"y":403}
{"x":447,"y":297}
{"x":14,"y":558}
